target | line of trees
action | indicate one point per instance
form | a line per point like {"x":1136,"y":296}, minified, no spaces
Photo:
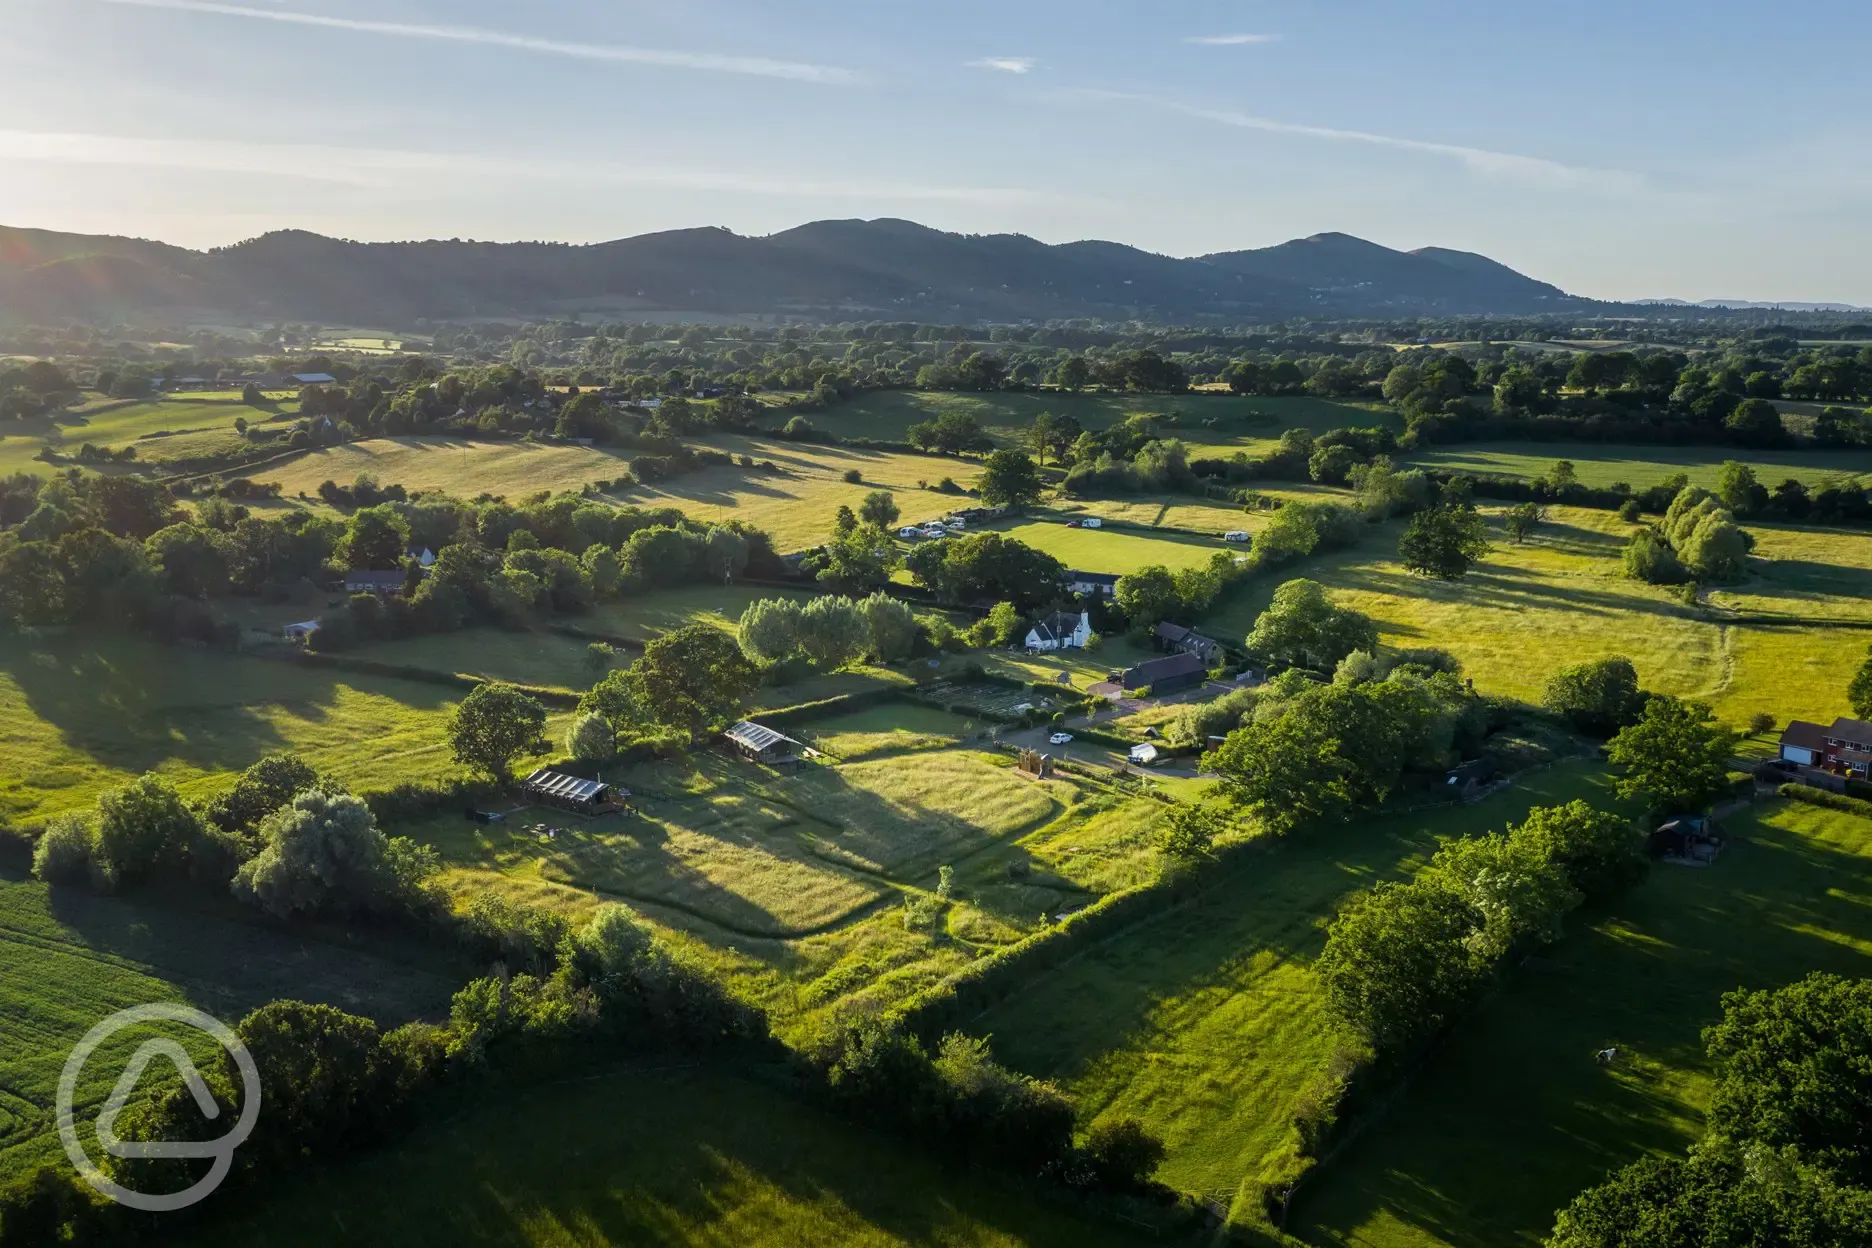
{"x":1786,"y":1158}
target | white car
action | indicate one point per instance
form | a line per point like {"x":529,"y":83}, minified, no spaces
{"x":1060,"y":738}
{"x":956,"y":522}
{"x":1235,"y":535}
{"x":910,"y":533}
{"x":935,"y":530}
{"x":1091,"y":522}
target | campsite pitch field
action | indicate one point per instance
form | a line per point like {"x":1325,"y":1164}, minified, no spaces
{"x":1641,"y":466}
{"x":86,"y":713}
{"x":1117,"y":551}
{"x":69,"y":958}
{"x":1205,"y":1021}
{"x":1514,"y":1117}
{"x":688,"y":1158}
{"x":795,"y":505}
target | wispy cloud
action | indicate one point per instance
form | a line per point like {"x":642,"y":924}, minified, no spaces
{"x":388,"y":169}
{"x":1006,"y":64}
{"x":1231,"y":41}
{"x":1481,"y":160}
{"x":755,"y":66}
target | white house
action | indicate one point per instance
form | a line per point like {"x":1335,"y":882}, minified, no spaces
{"x":1060,"y":631}
{"x":1092,"y":584}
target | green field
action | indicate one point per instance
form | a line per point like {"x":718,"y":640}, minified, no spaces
{"x":1562,"y":598}
{"x":687,"y":1158}
{"x":1205,"y":1021}
{"x":1117,"y":550}
{"x":82,"y":714}
{"x":161,"y":429}
{"x":1601,"y":465}
{"x":1239,"y":423}
{"x":69,"y":958}
{"x":1514,"y":1117}
{"x":894,"y":728}
{"x":795,"y":506}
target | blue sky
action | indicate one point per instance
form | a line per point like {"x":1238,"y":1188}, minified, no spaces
{"x":1624,"y":150}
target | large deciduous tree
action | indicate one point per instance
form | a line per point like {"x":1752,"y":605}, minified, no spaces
{"x":1676,"y":756}
{"x":494,"y":725}
{"x":1009,"y":479}
{"x":1444,"y":542}
{"x":1303,"y":628}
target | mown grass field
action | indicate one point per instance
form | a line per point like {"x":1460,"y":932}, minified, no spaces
{"x":1640,"y":466}
{"x":692,"y":1158}
{"x":86,"y":713}
{"x":69,"y":958}
{"x":894,"y":728}
{"x":1563,"y":598}
{"x":161,"y":429}
{"x":1513,"y":1117}
{"x":795,"y":506}
{"x":1205,"y":1021}
{"x":1209,"y":420}
{"x":1117,"y":551}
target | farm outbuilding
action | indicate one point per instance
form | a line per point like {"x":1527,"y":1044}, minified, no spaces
{"x":1170,"y":674}
{"x":761,"y":744}
{"x":569,"y":792}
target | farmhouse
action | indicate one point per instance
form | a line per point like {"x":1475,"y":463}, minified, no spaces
{"x":1170,"y":674}
{"x":383,"y":584}
{"x":568,"y":792}
{"x":1177,"y":639}
{"x":1060,"y":631}
{"x":1092,"y":584}
{"x":761,"y":744}
{"x":1844,"y":750}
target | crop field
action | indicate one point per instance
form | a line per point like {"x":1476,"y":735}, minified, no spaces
{"x":1640,"y":466}
{"x":1514,"y":1117}
{"x":1208,"y":420}
{"x":81,"y":714}
{"x":1117,"y":550}
{"x":1562,"y":598}
{"x":161,"y":429}
{"x":693,"y":1158}
{"x":1205,"y":1022}
{"x":69,"y":958}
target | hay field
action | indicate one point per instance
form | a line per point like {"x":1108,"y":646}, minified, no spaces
{"x":795,"y":506}
{"x":1207,"y":420}
{"x":160,"y":429}
{"x":1513,"y":1117}
{"x":694,"y":1158}
{"x":1641,"y":466}
{"x":1562,"y":598}
{"x":1205,"y":1021}
{"x":83,"y":714}
{"x":68,"y":958}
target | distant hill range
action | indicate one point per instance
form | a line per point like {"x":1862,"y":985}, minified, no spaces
{"x":1753,"y":304}
{"x":859,"y":270}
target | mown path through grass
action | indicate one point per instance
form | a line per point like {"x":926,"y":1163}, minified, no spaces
{"x":1205,"y":1022}
{"x":1514,"y":1117}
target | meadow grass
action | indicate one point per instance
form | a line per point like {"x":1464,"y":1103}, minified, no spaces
{"x":1601,"y":465}
{"x":645,"y":616}
{"x":81,"y":714}
{"x":542,"y":659}
{"x":69,"y":958}
{"x":1208,"y":420}
{"x":894,"y":728}
{"x":1562,"y":598}
{"x":1205,"y":1021}
{"x":1513,"y":1117}
{"x":795,"y":506}
{"x":687,"y":1158}
{"x":160,"y":429}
